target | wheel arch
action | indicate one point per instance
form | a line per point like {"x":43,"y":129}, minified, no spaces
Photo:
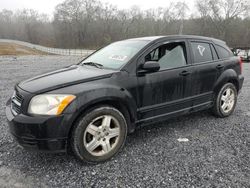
{"x":229,"y":76}
{"x":127,"y":110}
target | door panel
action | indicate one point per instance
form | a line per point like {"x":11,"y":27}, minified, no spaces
{"x":204,"y":78}
{"x":164,"y":92}
{"x":168,"y":90}
{"x":205,"y":73}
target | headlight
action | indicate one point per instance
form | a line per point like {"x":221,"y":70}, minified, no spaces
{"x":49,"y":104}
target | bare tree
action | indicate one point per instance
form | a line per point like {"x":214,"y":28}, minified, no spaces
{"x":91,"y":23}
{"x":222,"y":13}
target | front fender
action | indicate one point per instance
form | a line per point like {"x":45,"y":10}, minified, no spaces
{"x":99,"y":95}
{"x":92,"y":94}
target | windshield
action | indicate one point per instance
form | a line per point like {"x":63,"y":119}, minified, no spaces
{"x":116,"y":55}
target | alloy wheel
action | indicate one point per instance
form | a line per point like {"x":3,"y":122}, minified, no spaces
{"x":227,"y":100}
{"x":102,"y":135}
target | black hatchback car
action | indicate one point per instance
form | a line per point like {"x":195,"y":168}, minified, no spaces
{"x":89,"y":108}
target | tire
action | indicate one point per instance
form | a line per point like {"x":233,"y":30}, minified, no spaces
{"x":225,"y":101}
{"x":99,"y":134}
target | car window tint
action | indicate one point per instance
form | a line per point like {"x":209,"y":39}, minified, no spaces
{"x":171,"y":55}
{"x":223,"y":52}
{"x":202,"y":52}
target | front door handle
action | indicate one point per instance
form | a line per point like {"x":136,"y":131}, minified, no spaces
{"x":219,"y":66}
{"x":185,"y":73}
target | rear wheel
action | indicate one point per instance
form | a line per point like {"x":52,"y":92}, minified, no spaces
{"x":99,"y":135}
{"x":225,"y":101}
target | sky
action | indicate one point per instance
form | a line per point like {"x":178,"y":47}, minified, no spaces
{"x":47,"y":6}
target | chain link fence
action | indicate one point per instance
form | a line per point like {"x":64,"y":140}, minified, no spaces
{"x":57,"y":51}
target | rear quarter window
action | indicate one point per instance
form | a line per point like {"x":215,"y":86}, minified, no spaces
{"x":202,"y":52}
{"x":223,"y":52}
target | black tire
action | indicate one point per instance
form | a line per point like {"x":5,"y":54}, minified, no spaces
{"x":78,"y":134}
{"x":217,"y":108}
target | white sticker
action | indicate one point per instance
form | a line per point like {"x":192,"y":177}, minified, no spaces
{"x":118,"y":57}
{"x":201,"y":49}
{"x":183,"y":139}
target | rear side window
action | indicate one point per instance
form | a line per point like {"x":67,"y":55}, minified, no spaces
{"x":202,"y":52}
{"x":223,"y":52}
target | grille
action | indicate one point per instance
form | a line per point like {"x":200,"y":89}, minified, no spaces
{"x":16,"y":103}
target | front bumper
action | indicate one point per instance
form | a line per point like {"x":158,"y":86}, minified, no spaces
{"x":45,"y":133}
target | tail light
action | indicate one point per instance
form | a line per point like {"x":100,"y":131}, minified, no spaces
{"x":241,"y":64}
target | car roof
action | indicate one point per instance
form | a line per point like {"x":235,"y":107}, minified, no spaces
{"x":157,"y":38}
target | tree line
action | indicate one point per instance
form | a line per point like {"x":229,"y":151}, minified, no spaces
{"x":92,"y":24}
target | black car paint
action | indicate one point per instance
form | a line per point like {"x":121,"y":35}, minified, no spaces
{"x":64,"y":77}
{"x":143,"y":98}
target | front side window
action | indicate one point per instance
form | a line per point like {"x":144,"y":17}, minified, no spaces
{"x":202,"y":52}
{"x":117,"y":54}
{"x":171,"y":55}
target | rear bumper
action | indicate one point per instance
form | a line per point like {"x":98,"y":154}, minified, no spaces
{"x":44,"y":133}
{"x":241,"y":80}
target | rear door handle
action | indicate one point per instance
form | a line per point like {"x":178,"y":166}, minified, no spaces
{"x":219,"y":66}
{"x":185,"y":73}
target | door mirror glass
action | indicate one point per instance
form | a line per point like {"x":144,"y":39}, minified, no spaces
{"x":151,"y":66}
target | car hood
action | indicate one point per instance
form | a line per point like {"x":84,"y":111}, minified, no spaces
{"x":64,"y":77}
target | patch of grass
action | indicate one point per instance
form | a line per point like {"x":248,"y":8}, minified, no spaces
{"x":18,"y":50}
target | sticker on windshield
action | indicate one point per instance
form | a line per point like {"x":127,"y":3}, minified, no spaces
{"x":201,"y":49}
{"x":118,"y":57}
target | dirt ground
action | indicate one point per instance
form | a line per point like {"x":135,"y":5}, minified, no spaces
{"x":18,"y":50}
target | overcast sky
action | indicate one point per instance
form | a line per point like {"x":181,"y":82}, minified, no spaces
{"x":47,"y":6}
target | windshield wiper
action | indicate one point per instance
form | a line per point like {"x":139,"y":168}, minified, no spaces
{"x":98,"y":65}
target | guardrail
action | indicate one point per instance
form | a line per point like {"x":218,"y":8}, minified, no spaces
{"x":58,"y":51}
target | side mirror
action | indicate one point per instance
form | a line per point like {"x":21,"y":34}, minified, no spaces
{"x":151,"y":66}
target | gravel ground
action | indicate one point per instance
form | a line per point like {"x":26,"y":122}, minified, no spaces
{"x":216,"y":154}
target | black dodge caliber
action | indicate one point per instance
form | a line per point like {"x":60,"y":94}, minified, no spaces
{"x":89,"y":108}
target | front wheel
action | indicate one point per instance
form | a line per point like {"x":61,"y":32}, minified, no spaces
{"x":99,"y":135}
{"x":225,"y":101}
